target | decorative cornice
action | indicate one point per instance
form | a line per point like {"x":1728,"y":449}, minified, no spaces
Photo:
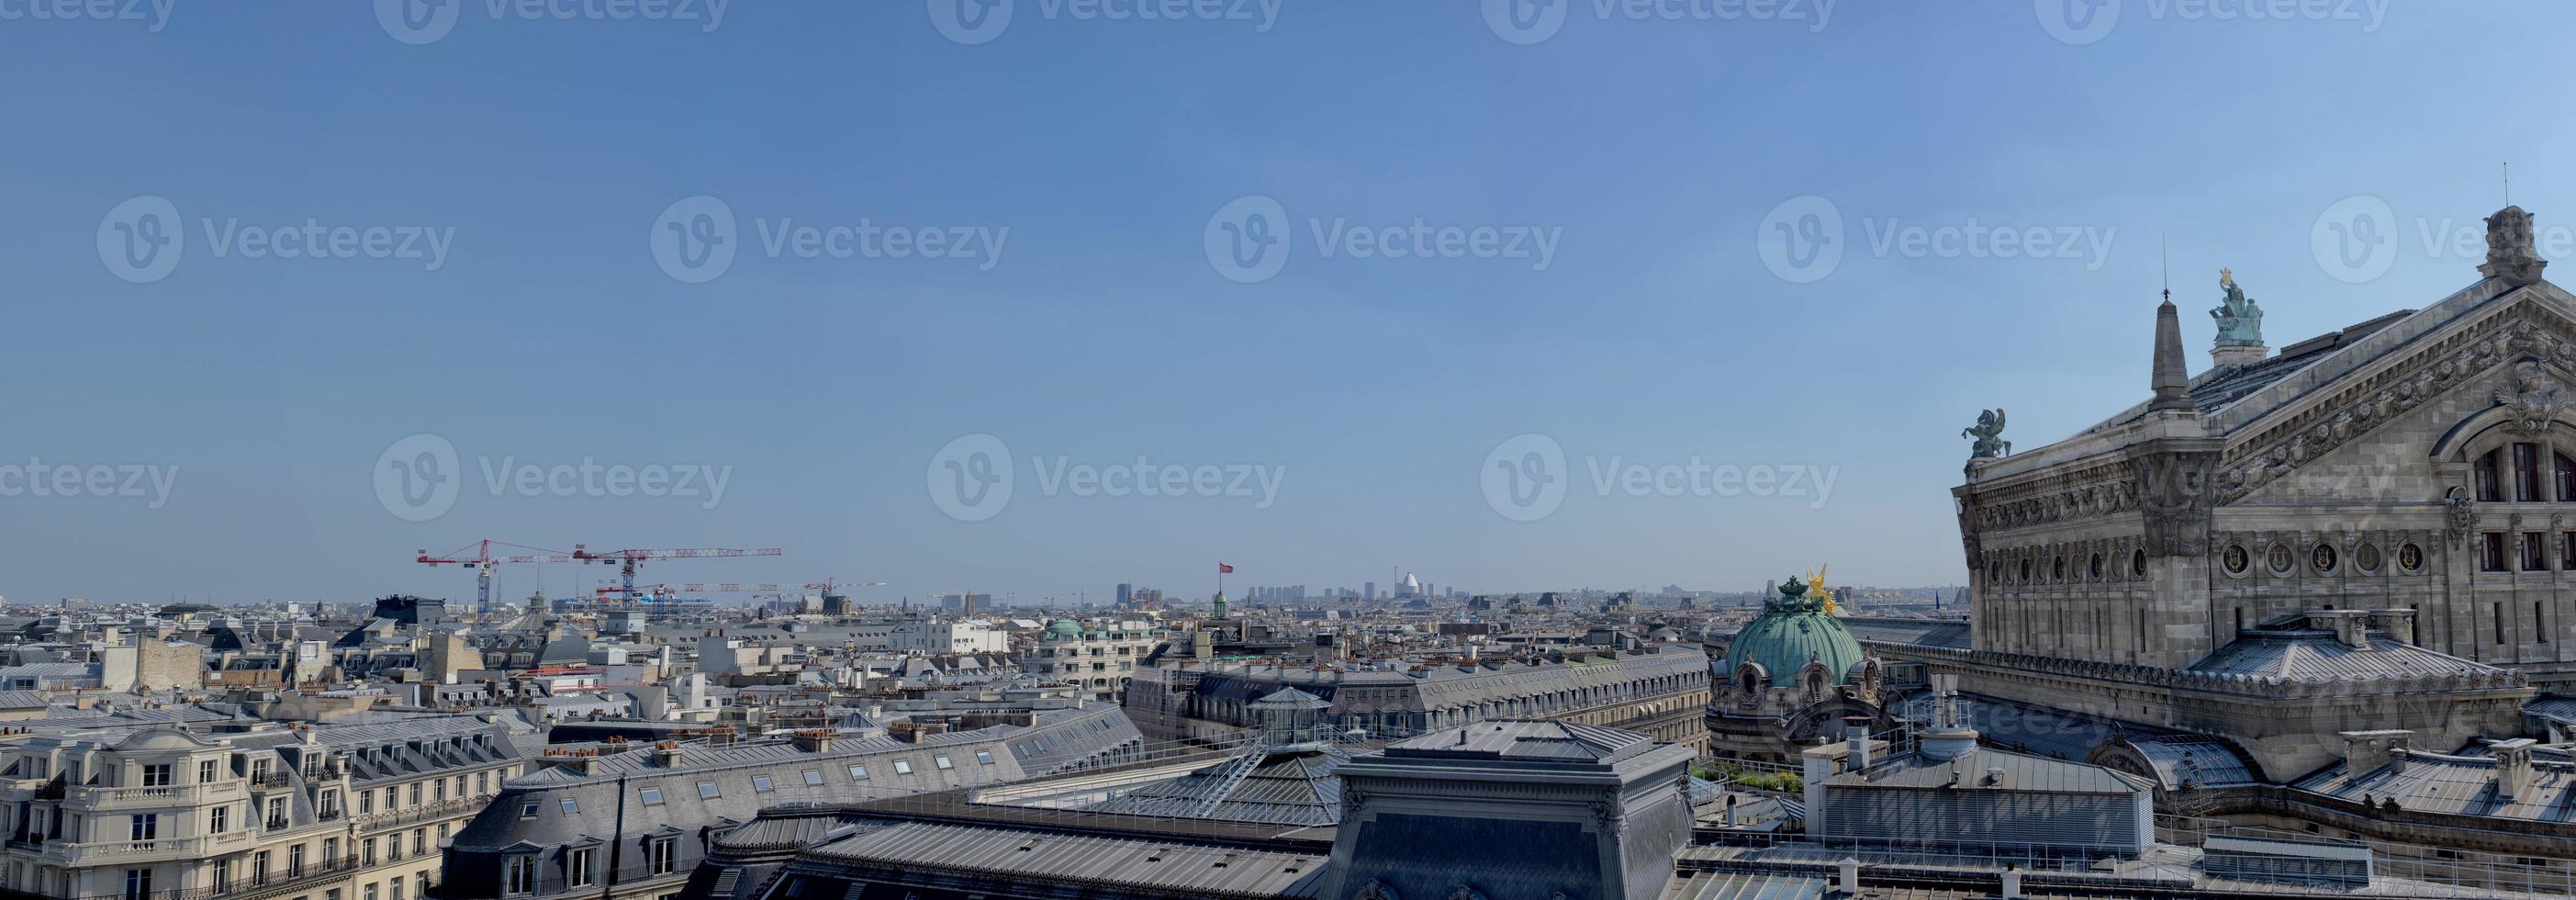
{"x":2364,"y":407}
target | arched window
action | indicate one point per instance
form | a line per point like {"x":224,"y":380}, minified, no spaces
{"x":2489,"y":487}
{"x":2526,"y":473}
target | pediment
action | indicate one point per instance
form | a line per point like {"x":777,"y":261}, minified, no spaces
{"x":2466,"y":372}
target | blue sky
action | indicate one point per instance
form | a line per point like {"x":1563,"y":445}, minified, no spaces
{"x":1652,"y":154}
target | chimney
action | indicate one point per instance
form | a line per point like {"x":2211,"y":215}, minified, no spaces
{"x":722,"y":736}
{"x":2366,"y":751}
{"x":1856,"y":742}
{"x":2171,"y":381}
{"x":815,"y":740}
{"x":2399,"y":623}
{"x":667,"y":753}
{"x":2513,"y":767}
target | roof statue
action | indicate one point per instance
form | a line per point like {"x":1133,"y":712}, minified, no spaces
{"x":2240,"y":319}
{"x":1825,"y":595}
{"x":1988,"y":431}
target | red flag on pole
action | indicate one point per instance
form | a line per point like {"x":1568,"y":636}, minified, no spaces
{"x":1223,"y":569}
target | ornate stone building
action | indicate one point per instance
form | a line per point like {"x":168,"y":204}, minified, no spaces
{"x":1788,"y":678}
{"x":2419,"y":467}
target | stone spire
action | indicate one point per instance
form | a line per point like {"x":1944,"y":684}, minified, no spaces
{"x":2172,"y":382}
{"x":2509,"y":248}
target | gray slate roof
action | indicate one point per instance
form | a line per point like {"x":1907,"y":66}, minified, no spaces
{"x":1111,"y":863}
{"x":2318,"y":656}
{"x":2021,"y":771}
{"x":2456,"y":785}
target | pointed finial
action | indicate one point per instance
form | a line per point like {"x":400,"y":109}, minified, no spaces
{"x":2167,"y":253}
{"x":2172,"y":382}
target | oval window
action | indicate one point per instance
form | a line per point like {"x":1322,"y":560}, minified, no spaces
{"x":2410,"y":558}
{"x":2025,"y":571}
{"x":2237,"y":560}
{"x":2094,"y":568}
{"x":2323,"y":558}
{"x":2057,"y":571}
{"x":2367,"y":557}
{"x":2279,"y":558}
{"x":2138,"y":563}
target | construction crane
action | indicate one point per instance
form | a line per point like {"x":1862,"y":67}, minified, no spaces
{"x":479,"y":555}
{"x":627,"y":560}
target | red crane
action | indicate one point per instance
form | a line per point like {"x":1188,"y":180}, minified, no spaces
{"x":627,"y":560}
{"x":479,"y":555}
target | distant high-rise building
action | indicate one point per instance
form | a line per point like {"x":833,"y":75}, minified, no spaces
{"x":1368,"y":590}
{"x":1126,"y":593}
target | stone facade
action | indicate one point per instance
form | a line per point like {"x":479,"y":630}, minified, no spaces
{"x":2422,"y":462}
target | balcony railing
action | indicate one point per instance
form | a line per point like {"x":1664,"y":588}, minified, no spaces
{"x":156,"y":795}
{"x":462,"y":806}
{"x":111,"y":852}
{"x":245,"y":888}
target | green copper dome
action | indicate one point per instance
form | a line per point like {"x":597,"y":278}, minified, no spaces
{"x":1793,"y":630}
{"x":1064,"y":630}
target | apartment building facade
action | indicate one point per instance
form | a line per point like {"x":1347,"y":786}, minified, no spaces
{"x":302,"y":812}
